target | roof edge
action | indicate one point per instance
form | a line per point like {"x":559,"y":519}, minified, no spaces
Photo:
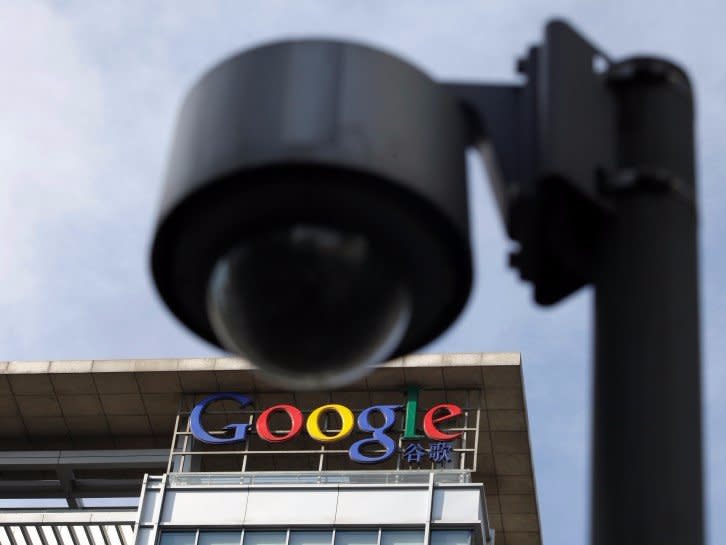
{"x":455,"y":359}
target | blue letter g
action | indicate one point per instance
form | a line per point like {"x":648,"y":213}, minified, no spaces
{"x":377,"y":435}
{"x":239,"y":431}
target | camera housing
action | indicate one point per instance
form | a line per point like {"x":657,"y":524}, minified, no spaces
{"x":314,"y":216}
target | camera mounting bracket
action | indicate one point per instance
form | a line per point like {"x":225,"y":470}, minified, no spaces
{"x":549,"y":143}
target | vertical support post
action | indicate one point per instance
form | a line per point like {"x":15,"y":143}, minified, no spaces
{"x":189,"y":462}
{"x":647,"y":474}
{"x":170,"y":466}
{"x":430,"y":508}
{"x":247,"y":444}
{"x":463,"y":441}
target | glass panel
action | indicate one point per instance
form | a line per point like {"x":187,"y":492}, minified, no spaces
{"x":177,"y":538}
{"x":402,"y":537}
{"x":329,"y":477}
{"x":450,"y":537}
{"x":220,"y":538}
{"x":33,"y":503}
{"x":356,"y":538}
{"x":264,"y":538}
{"x":109,"y":502}
{"x":311,"y":538}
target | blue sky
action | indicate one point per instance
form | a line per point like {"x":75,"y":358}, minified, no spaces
{"x":88,"y":99}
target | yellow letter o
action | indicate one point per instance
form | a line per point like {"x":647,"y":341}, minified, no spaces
{"x":313,"y":423}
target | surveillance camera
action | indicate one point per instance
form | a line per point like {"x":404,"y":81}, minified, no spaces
{"x":314,"y":217}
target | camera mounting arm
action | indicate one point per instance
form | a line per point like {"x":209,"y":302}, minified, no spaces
{"x":548,"y":144}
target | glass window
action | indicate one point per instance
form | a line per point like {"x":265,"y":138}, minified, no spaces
{"x":450,"y":537}
{"x":33,"y":503}
{"x":402,"y":537}
{"x":177,"y":538}
{"x":345,"y":537}
{"x":264,"y":538}
{"x":109,"y":502}
{"x":220,"y":538}
{"x":311,"y":538}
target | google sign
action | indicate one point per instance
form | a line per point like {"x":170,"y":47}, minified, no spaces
{"x":378,"y":438}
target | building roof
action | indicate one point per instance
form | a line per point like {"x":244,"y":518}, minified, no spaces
{"x":133,"y":404}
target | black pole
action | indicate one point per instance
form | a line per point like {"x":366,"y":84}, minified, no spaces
{"x":647,"y":485}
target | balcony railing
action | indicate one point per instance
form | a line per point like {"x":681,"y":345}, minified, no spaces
{"x":67,"y":527}
{"x":314,"y":477}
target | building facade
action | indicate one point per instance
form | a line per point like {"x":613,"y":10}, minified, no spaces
{"x":427,"y":449}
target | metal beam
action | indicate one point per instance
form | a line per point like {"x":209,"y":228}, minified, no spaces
{"x":86,"y":488}
{"x":89,"y":536}
{"x":66,"y":464}
{"x":86,"y":459}
{"x":26,"y":535}
{"x":57,"y":534}
{"x":41,"y":535}
{"x":65,"y":479}
{"x":11,"y":536}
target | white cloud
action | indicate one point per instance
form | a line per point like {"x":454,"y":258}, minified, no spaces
{"x":49,"y":156}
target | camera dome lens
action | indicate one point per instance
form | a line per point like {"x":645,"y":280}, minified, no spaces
{"x":309,"y":304}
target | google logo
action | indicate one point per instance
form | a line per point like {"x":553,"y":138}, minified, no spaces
{"x":378,"y":438}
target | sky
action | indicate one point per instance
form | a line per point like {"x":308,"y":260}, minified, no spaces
{"x":88,"y":97}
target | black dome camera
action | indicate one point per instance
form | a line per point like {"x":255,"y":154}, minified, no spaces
{"x":314,"y":218}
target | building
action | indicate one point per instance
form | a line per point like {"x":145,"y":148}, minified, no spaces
{"x":430,"y":448}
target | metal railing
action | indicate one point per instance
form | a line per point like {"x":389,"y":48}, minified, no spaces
{"x":315,"y":478}
{"x":18,"y":528}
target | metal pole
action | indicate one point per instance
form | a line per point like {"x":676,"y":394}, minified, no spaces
{"x":647,"y":475}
